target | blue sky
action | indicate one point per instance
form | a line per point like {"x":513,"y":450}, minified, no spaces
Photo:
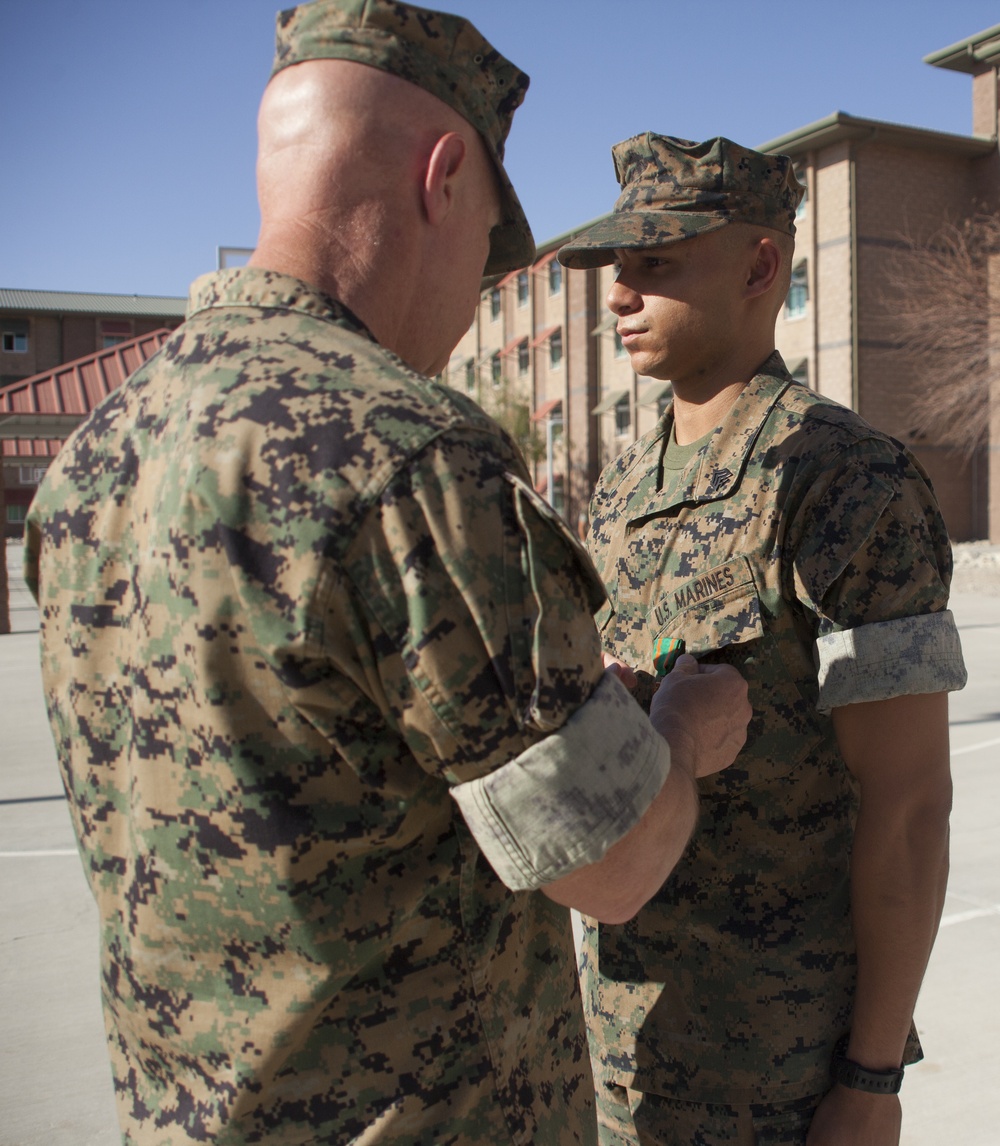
{"x":129,"y":127}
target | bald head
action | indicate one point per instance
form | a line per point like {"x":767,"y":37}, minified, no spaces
{"x":339,"y":146}
{"x":345,"y":152}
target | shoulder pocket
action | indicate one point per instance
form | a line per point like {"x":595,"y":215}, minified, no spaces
{"x":562,"y":543}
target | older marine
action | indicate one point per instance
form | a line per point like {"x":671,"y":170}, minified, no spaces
{"x":321,"y":666}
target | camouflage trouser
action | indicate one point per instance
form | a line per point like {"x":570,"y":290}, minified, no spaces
{"x":630,"y":1118}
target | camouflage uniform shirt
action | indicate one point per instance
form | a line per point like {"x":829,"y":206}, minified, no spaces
{"x":806,"y":549}
{"x":295,"y":598}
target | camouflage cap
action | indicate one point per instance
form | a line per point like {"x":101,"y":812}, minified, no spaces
{"x":443,"y":54}
{"x":673,"y":189}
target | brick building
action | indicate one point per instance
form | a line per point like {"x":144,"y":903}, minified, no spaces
{"x":39,"y":412}
{"x":42,"y":329}
{"x":98,"y":336}
{"x":543,"y":343}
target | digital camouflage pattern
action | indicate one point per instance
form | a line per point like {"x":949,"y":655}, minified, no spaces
{"x":628,"y":1117}
{"x":794,"y":520}
{"x":443,"y":54}
{"x":290,"y":593}
{"x":673,"y":189}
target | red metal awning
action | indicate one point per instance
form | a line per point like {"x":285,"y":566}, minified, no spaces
{"x":513,"y":345}
{"x":545,"y":335}
{"x":73,"y":388}
{"x":545,"y":409}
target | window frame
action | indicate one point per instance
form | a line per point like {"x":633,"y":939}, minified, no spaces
{"x":34,"y":475}
{"x":556,"y":353}
{"x":623,"y":425}
{"x":797,"y":299}
{"x":523,"y":292}
{"x":523,"y":358}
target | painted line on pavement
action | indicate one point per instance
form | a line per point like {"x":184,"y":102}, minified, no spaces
{"x":975,"y":747}
{"x":48,"y":852}
{"x":965,"y":916}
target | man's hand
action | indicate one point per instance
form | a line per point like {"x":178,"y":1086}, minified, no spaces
{"x":853,"y":1118}
{"x":702,"y":711}
{"x":620,"y":669}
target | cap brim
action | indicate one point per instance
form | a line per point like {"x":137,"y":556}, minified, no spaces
{"x":512,"y":245}
{"x":632,"y":231}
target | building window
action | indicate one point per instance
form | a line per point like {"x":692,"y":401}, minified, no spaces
{"x":555,"y":276}
{"x":495,"y":370}
{"x":470,"y":375}
{"x":31,"y":475}
{"x":15,"y":337}
{"x":523,"y":358}
{"x":623,"y":418}
{"x":619,"y":349}
{"x":557,"y":498}
{"x":114,"y":332}
{"x":16,"y":514}
{"x":494,"y":305}
{"x":798,"y":292}
{"x":522,"y":289}
{"x":555,"y":349}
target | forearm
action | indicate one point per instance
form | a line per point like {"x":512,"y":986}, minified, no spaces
{"x":703,"y":738}
{"x":634,"y":869}
{"x":898,"y":749}
{"x":899,"y":872}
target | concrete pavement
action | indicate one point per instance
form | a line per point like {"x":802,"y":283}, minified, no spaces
{"x":55,"y":1082}
{"x":55,"y":1085}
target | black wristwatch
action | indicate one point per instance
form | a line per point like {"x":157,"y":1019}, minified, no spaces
{"x":851,"y":1074}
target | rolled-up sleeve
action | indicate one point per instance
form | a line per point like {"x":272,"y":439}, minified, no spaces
{"x":907,"y":656}
{"x":562,"y":803}
{"x":476,"y":639}
{"x":872,"y":566}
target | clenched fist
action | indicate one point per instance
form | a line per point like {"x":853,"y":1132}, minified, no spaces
{"x":702,"y":711}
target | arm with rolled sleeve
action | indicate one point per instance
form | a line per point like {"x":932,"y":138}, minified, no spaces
{"x":887,"y":654}
{"x":478,"y":607}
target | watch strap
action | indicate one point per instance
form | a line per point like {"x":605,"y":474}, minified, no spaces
{"x":853,"y":1075}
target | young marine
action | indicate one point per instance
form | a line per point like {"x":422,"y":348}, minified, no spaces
{"x":765,"y":993}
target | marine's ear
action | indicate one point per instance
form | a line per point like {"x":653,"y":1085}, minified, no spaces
{"x":765,"y":268}
{"x":438,"y":184}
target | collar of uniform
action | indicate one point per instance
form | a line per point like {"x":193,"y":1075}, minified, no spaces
{"x":261,"y":289}
{"x":715,"y":470}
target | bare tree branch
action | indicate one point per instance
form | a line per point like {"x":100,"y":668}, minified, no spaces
{"x":938,"y":296}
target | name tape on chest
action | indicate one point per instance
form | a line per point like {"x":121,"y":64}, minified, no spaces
{"x":699,"y":589}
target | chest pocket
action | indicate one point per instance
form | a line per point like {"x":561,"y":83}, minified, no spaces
{"x":711,"y":612}
{"x":720,"y":617}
